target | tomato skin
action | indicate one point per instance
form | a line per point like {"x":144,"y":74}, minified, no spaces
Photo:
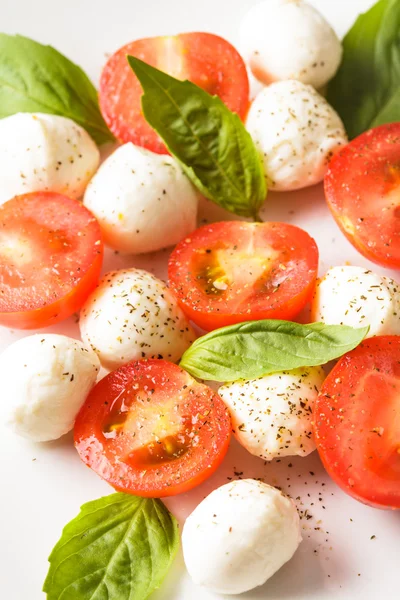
{"x":58,"y":231}
{"x":111,"y":457}
{"x":357,"y":422}
{"x":207,"y":60}
{"x":294,"y":265}
{"x":362,"y":186}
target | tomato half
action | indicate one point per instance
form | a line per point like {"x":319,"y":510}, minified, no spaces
{"x":50,"y":259}
{"x":207,"y":60}
{"x":357,"y":422}
{"x":235,"y":271}
{"x":362,"y":187}
{"x":150,"y":429}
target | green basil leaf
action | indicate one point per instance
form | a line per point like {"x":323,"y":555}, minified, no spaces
{"x":119,"y":547}
{"x":366,"y":89}
{"x":256,"y":348}
{"x":37,"y":78}
{"x":211,"y":142}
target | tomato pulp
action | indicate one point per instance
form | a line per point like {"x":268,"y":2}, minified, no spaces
{"x":362,"y":187}
{"x":234,"y":271}
{"x":51,"y":256}
{"x":357,"y":422}
{"x":207,"y":60}
{"x":150,"y":429}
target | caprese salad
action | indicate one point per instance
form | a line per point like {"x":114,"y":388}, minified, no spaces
{"x":186,"y":126}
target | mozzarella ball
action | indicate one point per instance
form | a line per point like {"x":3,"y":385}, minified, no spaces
{"x":290,"y":39}
{"x":358,"y":297}
{"x":239,"y":536}
{"x":45,"y":380}
{"x":272,"y":416}
{"x":296,"y":133}
{"x":142,"y":200}
{"x":133,"y":315}
{"x":41,"y":152}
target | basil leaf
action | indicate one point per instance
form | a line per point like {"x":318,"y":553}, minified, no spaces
{"x":211,"y":142}
{"x":118,"y":548}
{"x":366,"y":89}
{"x":256,"y":348}
{"x":37,"y":78}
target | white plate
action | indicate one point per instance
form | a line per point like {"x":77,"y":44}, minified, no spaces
{"x":42,"y":486}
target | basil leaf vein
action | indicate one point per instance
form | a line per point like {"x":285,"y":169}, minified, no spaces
{"x":366,"y":89}
{"x":256,"y":348}
{"x":210,"y":142}
{"x":38,"y":78}
{"x":119,"y":547}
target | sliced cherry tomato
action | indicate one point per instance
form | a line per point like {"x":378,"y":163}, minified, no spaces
{"x":362,"y":187}
{"x":357,"y":422}
{"x":205,"y":59}
{"x":50,"y":259}
{"x":150,"y":429}
{"x":235,"y":271}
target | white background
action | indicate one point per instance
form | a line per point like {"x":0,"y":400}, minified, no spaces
{"x":42,"y":486}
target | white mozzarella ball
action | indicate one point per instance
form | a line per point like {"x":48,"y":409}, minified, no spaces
{"x":239,"y":536}
{"x":133,"y":315}
{"x":40,"y":152}
{"x":45,"y":380}
{"x":358,"y":297}
{"x":296,"y":132}
{"x":142,"y":200}
{"x":272,"y":416}
{"x":290,"y":39}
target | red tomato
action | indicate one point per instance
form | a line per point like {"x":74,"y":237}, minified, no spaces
{"x":235,"y":271}
{"x":150,"y":429}
{"x":51,"y":255}
{"x":357,"y":422}
{"x":205,"y":59}
{"x":362,"y":188}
